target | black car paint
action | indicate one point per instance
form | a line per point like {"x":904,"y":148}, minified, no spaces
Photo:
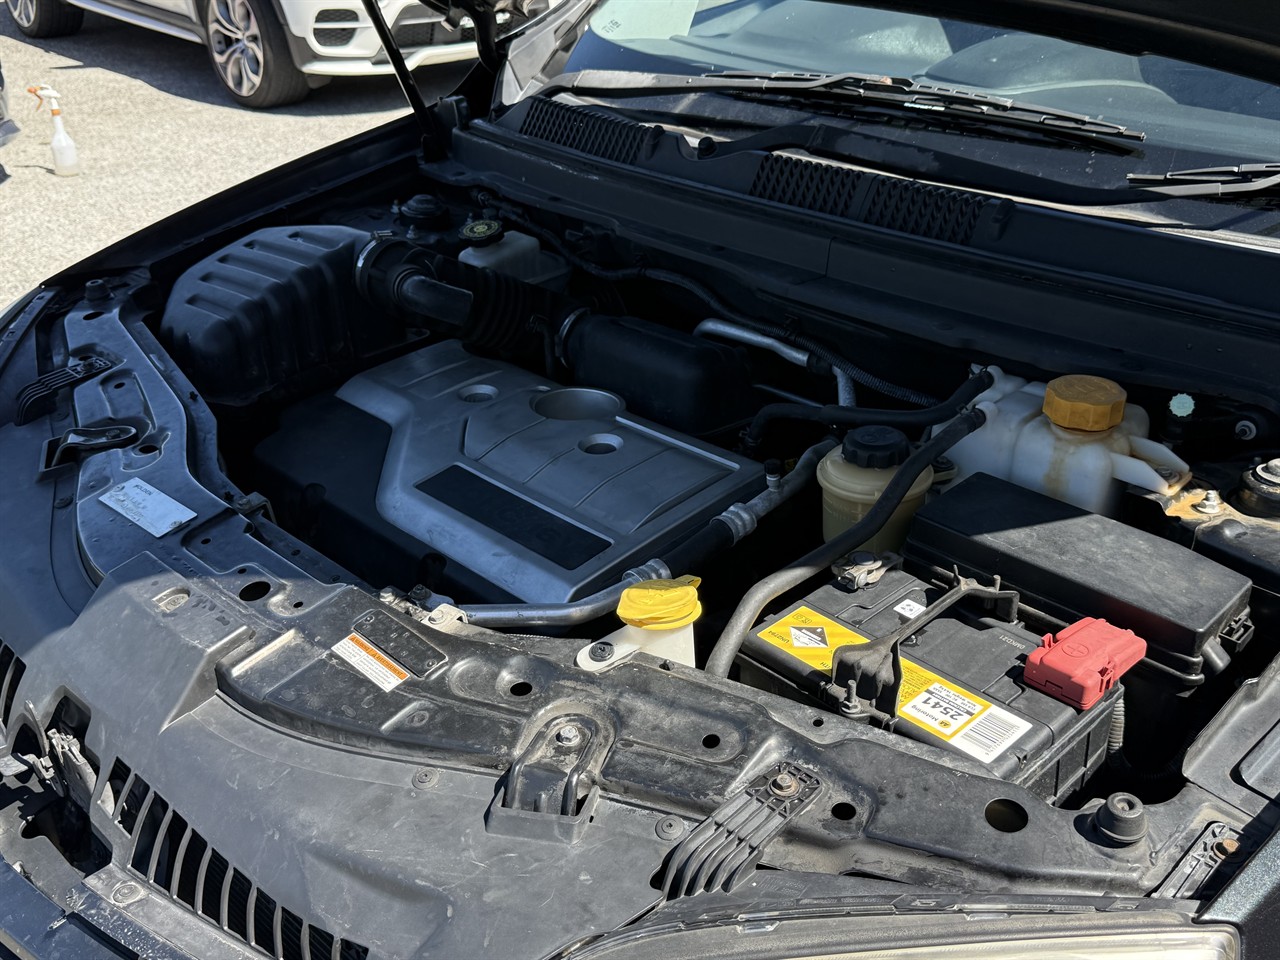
{"x":287,"y":195}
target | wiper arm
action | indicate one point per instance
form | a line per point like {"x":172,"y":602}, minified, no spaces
{"x":1242,"y":178}
{"x":873,"y":90}
{"x":929,"y":96}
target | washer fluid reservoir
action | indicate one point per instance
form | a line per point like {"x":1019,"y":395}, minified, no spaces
{"x":854,"y":475}
{"x":1075,"y":439}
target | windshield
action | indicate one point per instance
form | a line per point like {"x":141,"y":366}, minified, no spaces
{"x":1208,"y":113}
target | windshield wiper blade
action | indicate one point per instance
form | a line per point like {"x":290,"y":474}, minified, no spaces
{"x":870,"y":89}
{"x":930,"y":96}
{"x":1222,"y":181}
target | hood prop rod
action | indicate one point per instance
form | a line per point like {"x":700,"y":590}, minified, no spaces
{"x":410,"y":87}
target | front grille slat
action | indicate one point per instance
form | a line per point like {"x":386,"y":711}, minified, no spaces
{"x":201,"y":874}
{"x":176,"y":859}
{"x":159,"y":844}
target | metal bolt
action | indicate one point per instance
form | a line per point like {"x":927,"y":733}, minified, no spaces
{"x":387,"y":595}
{"x":670,"y":828}
{"x":426,"y":777}
{"x":125,"y":892}
{"x":1269,"y":471}
{"x":601,"y":651}
{"x":1246,"y":430}
{"x":1226,"y":847}
{"x":1211,"y":503}
{"x":437,"y":617}
{"x":784,"y":785}
{"x":569,"y":735}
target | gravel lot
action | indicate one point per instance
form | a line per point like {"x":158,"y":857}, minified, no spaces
{"x":155,"y":134}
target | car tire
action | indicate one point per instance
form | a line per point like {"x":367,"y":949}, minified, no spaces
{"x":45,"y":18}
{"x":250,"y":53}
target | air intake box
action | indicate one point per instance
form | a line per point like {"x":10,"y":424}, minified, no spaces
{"x":1073,"y":564}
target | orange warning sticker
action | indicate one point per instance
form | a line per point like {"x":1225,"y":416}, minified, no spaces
{"x":371,"y":661}
{"x":809,"y":636}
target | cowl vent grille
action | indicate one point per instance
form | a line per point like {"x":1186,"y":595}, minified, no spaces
{"x":924,"y":210}
{"x":803,"y":183}
{"x":179,"y":862}
{"x":904,"y":206}
{"x":610,"y":138}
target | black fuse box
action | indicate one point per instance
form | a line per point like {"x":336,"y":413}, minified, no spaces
{"x":961,"y":679}
{"x":1070,"y":564}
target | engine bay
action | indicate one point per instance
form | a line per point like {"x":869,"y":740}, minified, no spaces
{"x":472,"y":416}
{"x":519,"y":511}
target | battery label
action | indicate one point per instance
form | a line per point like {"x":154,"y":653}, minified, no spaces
{"x":809,"y":636}
{"x":969,"y":723}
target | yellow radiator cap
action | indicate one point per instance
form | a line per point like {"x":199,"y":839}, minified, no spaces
{"x":1082,"y":402}
{"x":661,"y":604}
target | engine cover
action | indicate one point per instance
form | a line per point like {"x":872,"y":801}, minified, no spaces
{"x":536,"y":491}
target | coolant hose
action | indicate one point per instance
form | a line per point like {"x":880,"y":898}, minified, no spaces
{"x":740,"y":519}
{"x":856,"y":417}
{"x":562,"y":614}
{"x":819,"y":559}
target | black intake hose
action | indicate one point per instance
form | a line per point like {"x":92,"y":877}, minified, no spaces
{"x":819,"y":559}
{"x":836,"y":416}
{"x":481,"y":307}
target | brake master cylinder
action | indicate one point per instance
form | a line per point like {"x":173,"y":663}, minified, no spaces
{"x":1074,"y":439}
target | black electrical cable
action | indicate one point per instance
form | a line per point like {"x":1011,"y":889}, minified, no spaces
{"x":837,"y":416}
{"x":819,"y":559}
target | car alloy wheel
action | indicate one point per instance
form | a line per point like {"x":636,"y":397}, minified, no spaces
{"x":236,"y":43}
{"x":23,"y":12}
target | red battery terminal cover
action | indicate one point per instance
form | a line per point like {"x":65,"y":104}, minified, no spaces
{"x":1083,"y":661}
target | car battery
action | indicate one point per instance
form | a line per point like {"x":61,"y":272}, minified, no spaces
{"x":957,"y":683}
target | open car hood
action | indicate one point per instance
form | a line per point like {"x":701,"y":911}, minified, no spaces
{"x":1240,"y":37}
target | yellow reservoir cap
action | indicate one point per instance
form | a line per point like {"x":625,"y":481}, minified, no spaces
{"x":1082,"y":402}
{"x":661,"y":604}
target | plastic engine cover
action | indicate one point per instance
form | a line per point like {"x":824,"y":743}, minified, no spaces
{"x":541,"y":492}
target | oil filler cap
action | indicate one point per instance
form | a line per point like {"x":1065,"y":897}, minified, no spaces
{"x":661,"y":604}
{"x":1082,"y":402}
{"x":876,"y":447}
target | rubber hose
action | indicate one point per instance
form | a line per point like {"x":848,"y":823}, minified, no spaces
{"x":817,"y":560}
{"x":858,"y":417}
{"x":854,"y":372}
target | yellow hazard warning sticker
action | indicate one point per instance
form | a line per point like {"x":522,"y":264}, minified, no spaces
{"x":965,"y":720}
{"x":809,"y":636}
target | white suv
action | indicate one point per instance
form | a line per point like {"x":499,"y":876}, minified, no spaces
{"x":271,"y":52}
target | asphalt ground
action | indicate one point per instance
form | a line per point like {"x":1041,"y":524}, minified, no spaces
{"x":155,"y":133}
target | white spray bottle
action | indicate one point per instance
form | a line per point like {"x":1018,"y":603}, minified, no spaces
{"x":66,"y":162}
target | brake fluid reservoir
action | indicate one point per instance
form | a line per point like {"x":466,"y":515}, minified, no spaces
{"x":854,"y":475}
{"x":1087,"y":443}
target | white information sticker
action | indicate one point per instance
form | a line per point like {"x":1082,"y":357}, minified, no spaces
{"x":909,"y":609}
{"x":155,"y":512}
{"x":371,"y":661}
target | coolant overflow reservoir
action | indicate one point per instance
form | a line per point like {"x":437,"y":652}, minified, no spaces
{"x":1088,"y":443}
{"x":854,"y":475}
